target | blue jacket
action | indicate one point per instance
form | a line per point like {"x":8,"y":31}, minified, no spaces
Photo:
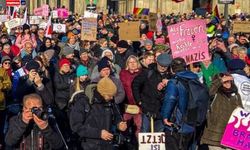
{"x":176,"y":96}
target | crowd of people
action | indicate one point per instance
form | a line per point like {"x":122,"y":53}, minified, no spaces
{"x":61,"y":92}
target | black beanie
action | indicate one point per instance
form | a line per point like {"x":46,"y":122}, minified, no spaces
{"x":122,"y":44}
{"x":32,"y":65}
{"x":103,"y":63}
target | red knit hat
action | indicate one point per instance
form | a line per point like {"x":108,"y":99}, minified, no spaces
{"x":64,"y":61}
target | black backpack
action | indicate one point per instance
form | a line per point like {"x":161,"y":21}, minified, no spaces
{"x":198,"y":101}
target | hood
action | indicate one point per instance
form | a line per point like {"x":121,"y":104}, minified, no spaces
{"x":187,"y":75}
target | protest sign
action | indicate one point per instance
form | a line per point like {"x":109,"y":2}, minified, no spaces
{"x":62,"y":13}
{"x":3,"y":18}
{"x":152,"y":141}
{"x":54,"y":14}
{"x":226,"y":1}
{"x":129,"y":31}
{"x":42,"y":11}
{"x":237,"y":133}
{"x":189,"y":40}
{"x":12,"y":3}
{"x":89,"y":29}
{"x":13,"y":23}
{"x":152,"y":21}
{"x":88,"y":14}
{"x":241,"y":26}
{"x":35,"y":19}
{"x":60,"y":28}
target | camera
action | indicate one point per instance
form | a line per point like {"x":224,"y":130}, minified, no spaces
{"x":39,"y":113}
{"x":120,"y":139}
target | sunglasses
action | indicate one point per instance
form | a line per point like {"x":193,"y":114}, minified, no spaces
{"x":6,"y":63}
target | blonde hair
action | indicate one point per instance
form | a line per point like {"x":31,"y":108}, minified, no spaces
{"x":133,"y":57}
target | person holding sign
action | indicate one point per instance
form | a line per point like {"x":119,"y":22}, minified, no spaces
{"x":226,"y":99}
{"x":91,"y":6}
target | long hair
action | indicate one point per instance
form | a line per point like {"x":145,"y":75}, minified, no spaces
{"x":133,"y":57}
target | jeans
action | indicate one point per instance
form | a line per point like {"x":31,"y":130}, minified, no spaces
{"x":146,"y":124}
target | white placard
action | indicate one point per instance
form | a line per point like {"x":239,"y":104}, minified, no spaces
{"x":3,"y":18}
{"x":152,"y":141}
{"x":13,"y":23}
{"x":54,"y":14}
{"x":60,"y":28}
{"x":43,"y":25}
{"x":88,"y":14}
{"x":35,"y":19}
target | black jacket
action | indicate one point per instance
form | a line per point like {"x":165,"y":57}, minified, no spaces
{"x":89,"y":120}
{"x":145,"y":90}
{"x":23,"y":136}
{"x":120,"y":59}
{"x":62,"y":89}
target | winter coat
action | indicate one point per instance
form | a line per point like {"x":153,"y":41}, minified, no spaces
{"x":5,"y":85}
{"x":19,"y":136}
{"x":242,"y":82}
{"x":176,"y":96}
{"x":120,"y":95}
{"x":20,"y":41}
{"x":144,"y":88}
{"x":115,"y":71}
{"x":120,"y":59}
{"x":222,"y":107}
{"x":220,"y":60}
{"x":62,"y":89}
{"x":89,"y":121}
{"x":127,"y":78}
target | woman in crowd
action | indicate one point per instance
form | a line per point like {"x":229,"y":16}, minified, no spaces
{"x":26,"y":35}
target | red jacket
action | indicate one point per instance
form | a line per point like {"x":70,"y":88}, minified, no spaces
{"x":127,"y":78}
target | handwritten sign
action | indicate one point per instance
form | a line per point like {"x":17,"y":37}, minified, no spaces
{"x":42,"y":11}
{"x":13,"y":23}
{"x":88,"y":14}
{"x":152,"y":141}
{"x":129,"y":31}
{"x":62,"y":13}
{"x":237,"y":132}
{"x":60,"y":28}
{"x":189,"y":40}
{"x":35,"y":19}
{"x":241,"y":26}
{"x":3,"y":18}
{"x":89,"y":29}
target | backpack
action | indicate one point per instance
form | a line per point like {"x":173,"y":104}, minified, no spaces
{"x":198,"y":101}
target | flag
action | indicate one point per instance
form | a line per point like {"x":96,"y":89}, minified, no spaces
{"x":216,"y":12}
{"x":14,"y":14}
{"x":25,"y":18}
{"x":48,"y":31}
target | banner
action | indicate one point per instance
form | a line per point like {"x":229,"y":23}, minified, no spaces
{"x":35,"y":19}
{"x":129,"y":31}
{"x":88,"y":14}
{"x":62,"y":13}
{"x":237,"y":133}
{"x":152,"y":141}
{"x":42,"y":11}
{"x":3,"y":18}
{"x":189,"y":40}
{"x":13,"y":23}
{"x":13,"y":3}
{"x":60,"y":28}
{"x":89,"y":29}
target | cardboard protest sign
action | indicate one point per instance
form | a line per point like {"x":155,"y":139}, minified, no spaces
{"x":237,"y":132}
{"x":62,"y":13}
{"x":129,"y":31}
{"x":189,"y":40}
{"x":3,"y":18}
{"x":60,"y":28}
{"x":13,"y":23}
{"x":152,"y":141}
{"x":152,"y":21}
{"x":88,"y":14}
{"x":35,"y":19}
{"x":89,"y":29}
{"x":42,"y":11}
{"x":241,"y":26}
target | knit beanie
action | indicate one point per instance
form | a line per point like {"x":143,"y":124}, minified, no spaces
{"x":103,"y":63}
{"x":122,"y":44}
{"x":107,"y":50}
{"x":67,"y":50}
{"x":106,"y":87}
{"x":64,"y":61}
{"x":32,"y":65}
{"x":81,"y":71}
{"x":4,"y":58}
{"x":49,"y":53}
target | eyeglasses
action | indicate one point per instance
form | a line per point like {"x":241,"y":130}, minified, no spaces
{"x":6,"y":63}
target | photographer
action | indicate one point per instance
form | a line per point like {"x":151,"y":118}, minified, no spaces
{"x":34,"y":82}
{"x":31,"y":129}
{"x":94,"y":123}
